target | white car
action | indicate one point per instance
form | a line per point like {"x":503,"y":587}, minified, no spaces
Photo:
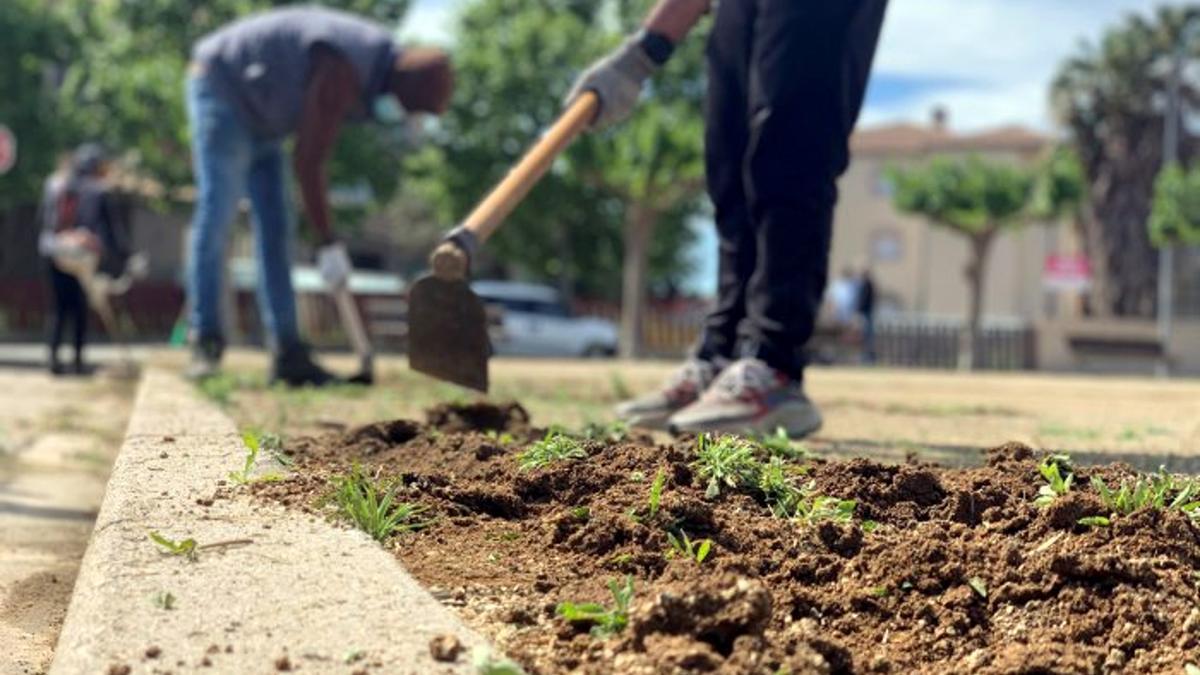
{"x":533,"y":320}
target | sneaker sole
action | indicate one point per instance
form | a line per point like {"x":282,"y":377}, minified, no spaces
{"x":651,"y":421}
{"x":781,"y":418}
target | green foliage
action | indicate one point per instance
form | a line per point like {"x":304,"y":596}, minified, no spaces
{"x":1095,"y":521}
{"x":975,"y":197}
{"x":1154,"y":491}
{"x":656,"y":491}
{"x":500,"y":438}
{"x":1058,"y":472}
{"x":185,"y":548}
{"x":605,"y":621}
{"x":1060,"y":187}
{"x":555,"y":447}
{"x":163,"y":600}
{"x":613,"y":432}
{"x":219,"y":388}
{"x":692,"y":550}
{"x":581,"y":513}
{"x":487,"y":663}
{"x":779,"y":444}
{"x":515,"y":60}
{"x":1175,"y":215}
{"x":777,"y":481}
{"x":255,"y":443}
{"x":724,"y":461}
{"x":816,"y":508}
{"x":372,"y":506}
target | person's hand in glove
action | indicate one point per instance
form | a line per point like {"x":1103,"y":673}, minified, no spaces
{"x":334,"y":264}
{"x":617,"y":80}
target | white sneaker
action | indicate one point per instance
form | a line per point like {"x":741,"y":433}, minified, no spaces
{"x":749,"y":397}
{"x":684,"y":388}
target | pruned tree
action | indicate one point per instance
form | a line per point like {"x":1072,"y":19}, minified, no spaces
{"x":1111,"y":97}
{"x":977,"y":200}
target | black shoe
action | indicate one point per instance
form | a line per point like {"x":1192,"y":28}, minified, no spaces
{"x":294,"y":367}
{"x":206,"y":358}
{"x":56,"y":368}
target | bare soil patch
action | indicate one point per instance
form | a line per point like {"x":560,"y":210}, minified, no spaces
{"x":956,"y":570}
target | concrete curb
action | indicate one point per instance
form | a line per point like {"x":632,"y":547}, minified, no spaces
{"x":304,"y":594}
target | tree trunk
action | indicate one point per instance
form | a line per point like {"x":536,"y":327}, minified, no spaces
{"x":639,"y":223}
{"x":975,"y":272}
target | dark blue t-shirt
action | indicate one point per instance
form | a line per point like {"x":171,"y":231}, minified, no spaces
{"x":261,"y":63}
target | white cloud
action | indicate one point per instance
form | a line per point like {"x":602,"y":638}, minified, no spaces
{"x":1008,"y":50}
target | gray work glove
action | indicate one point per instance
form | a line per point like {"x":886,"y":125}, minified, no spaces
{"x":617,"y":79}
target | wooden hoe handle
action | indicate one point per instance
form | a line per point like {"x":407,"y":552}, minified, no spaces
{"x":491,"y":212}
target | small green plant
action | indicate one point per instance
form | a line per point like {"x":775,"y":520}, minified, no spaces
{"x":373,"y":507}
{"x":185,"y":547}
{"x":692,"y":550}
{"x":487,"y":663}
{"x":504,"y":438}
{"x":605,"y":622}
{"x":779,"y":444}
{"x":555,"y":447}
{"x":255,"y":443}
{"x":218,"y":388}
{"x":880,"y":592}
{"x":725,"y":461}
{"x":163,"y":600}
{"x":582,"y":513}
{"x":614,"y":432}
{"x":1059,"y":474}
{"x":656,"y":491}
{"x":818,"y":508}
{"x":1095,"y":521}
{"x":777,"y":483}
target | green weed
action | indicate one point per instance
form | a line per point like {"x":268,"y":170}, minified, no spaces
{"x":613,"y":432}
{"x":814,"y":509}
{"x":163,"y":600}
{"x":1155,"y":491}
{"x":487,"y":663}
{"x":605,"y":622}
{"x":500,"y":438}
{"x":725,"y":461}
{"x":1095,"y":521}
{"x":777,"y":483}
{"x":656,"y":490}
{"x":780,"y":445}
{"x":218,"y":388}
{"x":1059,"y":474}
{"x":255,"y":443}
{"x":692,"y":550}
{"x":373,"y":506}
{"x":582,"y":513}
{"x":555,"y":447}
{"x":185,"y":548}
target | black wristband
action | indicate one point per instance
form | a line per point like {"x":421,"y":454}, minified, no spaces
{"x":656,"y":45}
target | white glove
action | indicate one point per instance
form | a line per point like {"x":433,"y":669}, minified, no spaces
{"x":334,"y":264}
{"x":617,"y":79}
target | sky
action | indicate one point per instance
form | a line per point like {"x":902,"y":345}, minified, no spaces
{"x":990,"y":62}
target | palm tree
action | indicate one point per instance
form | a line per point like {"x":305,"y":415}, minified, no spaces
{"x":1110,"y":96}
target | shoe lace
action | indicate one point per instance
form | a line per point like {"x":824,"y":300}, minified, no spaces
{"x":746,"y":378}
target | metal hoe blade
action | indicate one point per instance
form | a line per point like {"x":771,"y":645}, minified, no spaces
{"x":447,"y":332}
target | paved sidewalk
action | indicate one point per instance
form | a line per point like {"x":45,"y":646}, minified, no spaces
{"x":58,"y":438}
{"x":270,"y":589}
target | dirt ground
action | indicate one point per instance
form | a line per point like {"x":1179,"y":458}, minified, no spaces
{"x":930,"y":570}
{"x":58,"y":438}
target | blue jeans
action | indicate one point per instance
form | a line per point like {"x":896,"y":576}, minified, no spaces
{"x":230,"y":162}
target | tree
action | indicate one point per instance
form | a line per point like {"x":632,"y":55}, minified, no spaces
{"x":1175,"y":217}
{"x":618,"y":200}
{"x":1110,"y":97}
{"x":976,"y":199}
{"x":127,"y":88}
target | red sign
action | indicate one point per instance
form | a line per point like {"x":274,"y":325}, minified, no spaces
{"x":1067,"y":272}
{"x":8,"y":150}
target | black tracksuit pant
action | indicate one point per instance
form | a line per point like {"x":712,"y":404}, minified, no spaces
{"x":70,"y":303}
{"x":786,"y":83}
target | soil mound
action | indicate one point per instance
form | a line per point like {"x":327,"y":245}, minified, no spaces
{"x":938,"y":570}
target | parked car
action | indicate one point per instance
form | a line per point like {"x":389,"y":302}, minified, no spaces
{"x":533,"y":320}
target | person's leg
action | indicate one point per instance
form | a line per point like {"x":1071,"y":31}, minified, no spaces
{"x":58,"y":296}
{"x":79,"y":311}
{"x":727,"y":134}
{"x":808,"y":68}
{"x":273,"y":245}
{"x":221,"y":157}
{"x":809,"y":71}
{"x":292,"y":364}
